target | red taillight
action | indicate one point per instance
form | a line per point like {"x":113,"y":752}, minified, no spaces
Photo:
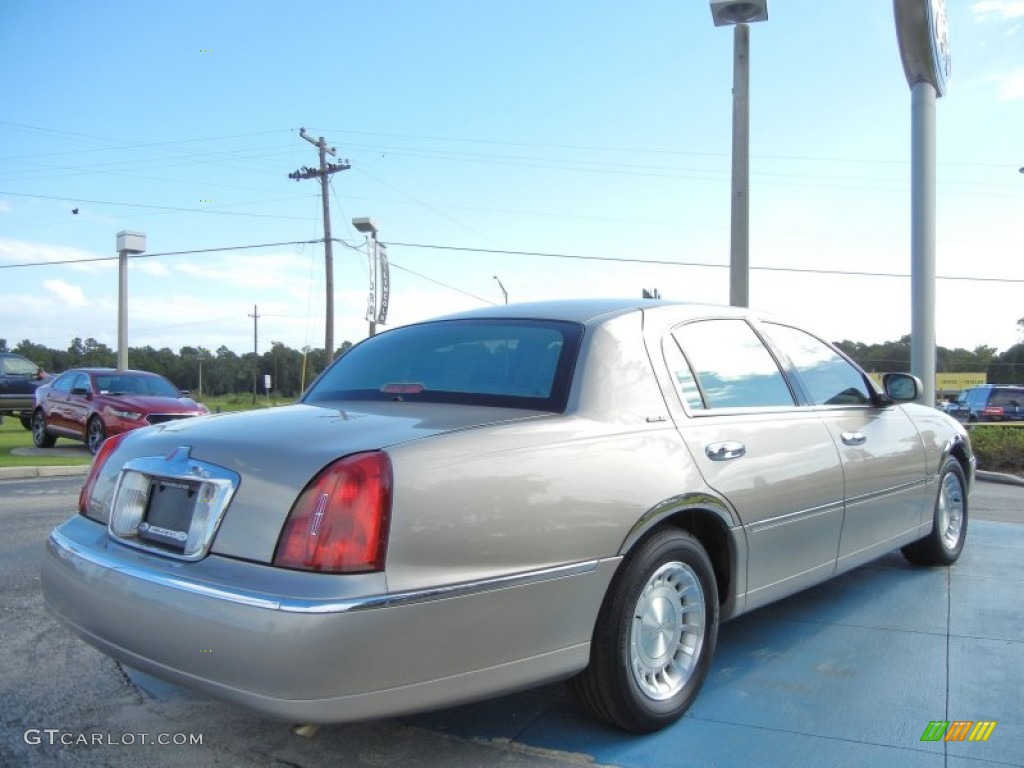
{"x":993,"y":410}
{"x":340,"y":522}
{"x":98,"y":461}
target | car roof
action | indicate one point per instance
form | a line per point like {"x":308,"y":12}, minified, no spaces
{"x":588,"y":311}
{"x":123,"y":371}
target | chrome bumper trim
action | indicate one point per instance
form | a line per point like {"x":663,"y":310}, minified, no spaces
{"x":63,"y":548}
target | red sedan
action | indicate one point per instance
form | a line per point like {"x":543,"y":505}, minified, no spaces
{"x":90,"y":404}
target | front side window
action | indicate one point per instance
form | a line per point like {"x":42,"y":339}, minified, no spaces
{"x":732,"y":366}
{"x":827,"y":376}
{"x":65,"y":382}
{"x":504,"y":363}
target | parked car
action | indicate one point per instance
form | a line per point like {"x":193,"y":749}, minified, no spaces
{"x":90,"y":404}
{"x":501,"y":498}
{"x":19,"y":378}
{"x":989,"y":402}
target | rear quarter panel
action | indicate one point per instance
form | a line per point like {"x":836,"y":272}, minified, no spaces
{"x":559,"y":489}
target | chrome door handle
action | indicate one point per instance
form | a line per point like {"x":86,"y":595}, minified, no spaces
{"x":725,"y":451}
{"x":853,"y":438}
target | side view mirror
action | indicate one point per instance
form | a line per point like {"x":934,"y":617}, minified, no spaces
{"x":902,"y":387}
{"x":79,"y":391}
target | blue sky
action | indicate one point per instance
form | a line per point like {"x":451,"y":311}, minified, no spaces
{"x":595,"y":128}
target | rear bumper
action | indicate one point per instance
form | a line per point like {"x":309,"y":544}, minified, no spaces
{"x":304,"y":655}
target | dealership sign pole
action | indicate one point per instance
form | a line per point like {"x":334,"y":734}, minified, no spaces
{"x":922,"y":30}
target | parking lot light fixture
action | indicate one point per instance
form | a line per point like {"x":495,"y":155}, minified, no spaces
{"x":128,"y":244}
{"x":367,"y":226}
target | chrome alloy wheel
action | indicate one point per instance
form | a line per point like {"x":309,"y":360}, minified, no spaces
{"x":668,"y":631}
{"x":951,"y":511}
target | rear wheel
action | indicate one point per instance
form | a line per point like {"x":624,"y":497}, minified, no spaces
{"x":654,"y":637}
{"x":949,"y":523}
{"x":40,"y":437}
{"x":95,"y":434}
{"x":26,"y":420}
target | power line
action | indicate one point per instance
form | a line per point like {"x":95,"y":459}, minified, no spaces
{"x":507,"y":252}
{"x":156,"y":207}
{"x":163,"y":253}
{"x":665,"y":262}
{"x":444,"y":285}
{"x":644,"y":150}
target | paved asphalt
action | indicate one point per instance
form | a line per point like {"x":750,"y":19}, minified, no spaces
{"x":850,"y":673}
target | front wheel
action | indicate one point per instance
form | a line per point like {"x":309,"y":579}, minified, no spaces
{"x":40,"y":437}
{"x":654,"y":637}
{"x":95,"y":434}
{"x":949,"y":524}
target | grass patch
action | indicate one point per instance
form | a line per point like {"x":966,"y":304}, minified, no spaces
{"x":242,"y":402}
{"x":13,"y":435}
{"x":998,"y":448}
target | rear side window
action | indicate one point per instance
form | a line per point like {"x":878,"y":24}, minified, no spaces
{"x":1007,"y":397}
{"x":732,"y":366}
{"x":504,"y":363}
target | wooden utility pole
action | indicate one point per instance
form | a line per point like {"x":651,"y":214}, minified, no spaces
{"x":255,"y":347}
{"x":323,"y":172}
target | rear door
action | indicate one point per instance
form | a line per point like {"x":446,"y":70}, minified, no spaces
{"x":78,"y":404}
{"x":773,"y":461}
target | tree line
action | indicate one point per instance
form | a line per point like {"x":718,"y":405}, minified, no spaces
{"x":291,"y":370}
{"x":1003,"y":368}
{"x":223,"y":371}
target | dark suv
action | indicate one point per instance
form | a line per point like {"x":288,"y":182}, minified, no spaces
{"x":990,"y":402}
{"x":19,"y":378}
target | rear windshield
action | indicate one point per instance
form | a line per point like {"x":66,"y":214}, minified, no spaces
{"x":504,"y":363}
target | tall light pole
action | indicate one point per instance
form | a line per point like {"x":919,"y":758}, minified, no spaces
{"x":128,"y":243}
{"x":502,"y":286}
{"x":739,"y":15}
{"x":366,"y":225}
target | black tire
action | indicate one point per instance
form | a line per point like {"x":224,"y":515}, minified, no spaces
{"x":945,"y":542}
{"x":26,"y":420}
{"x":647,"y":663}
{"x":40,"y":437}
{"x":95,"y":434}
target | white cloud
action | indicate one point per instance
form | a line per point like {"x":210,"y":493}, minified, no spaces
{"x":1011,"y":85}
{"x":67,"y":294}
{"x":4,"y":206}
{"x":997,"y":10}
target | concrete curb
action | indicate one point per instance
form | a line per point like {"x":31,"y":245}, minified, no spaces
{"x":27,"y":473}
{"x":999,"y":477}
